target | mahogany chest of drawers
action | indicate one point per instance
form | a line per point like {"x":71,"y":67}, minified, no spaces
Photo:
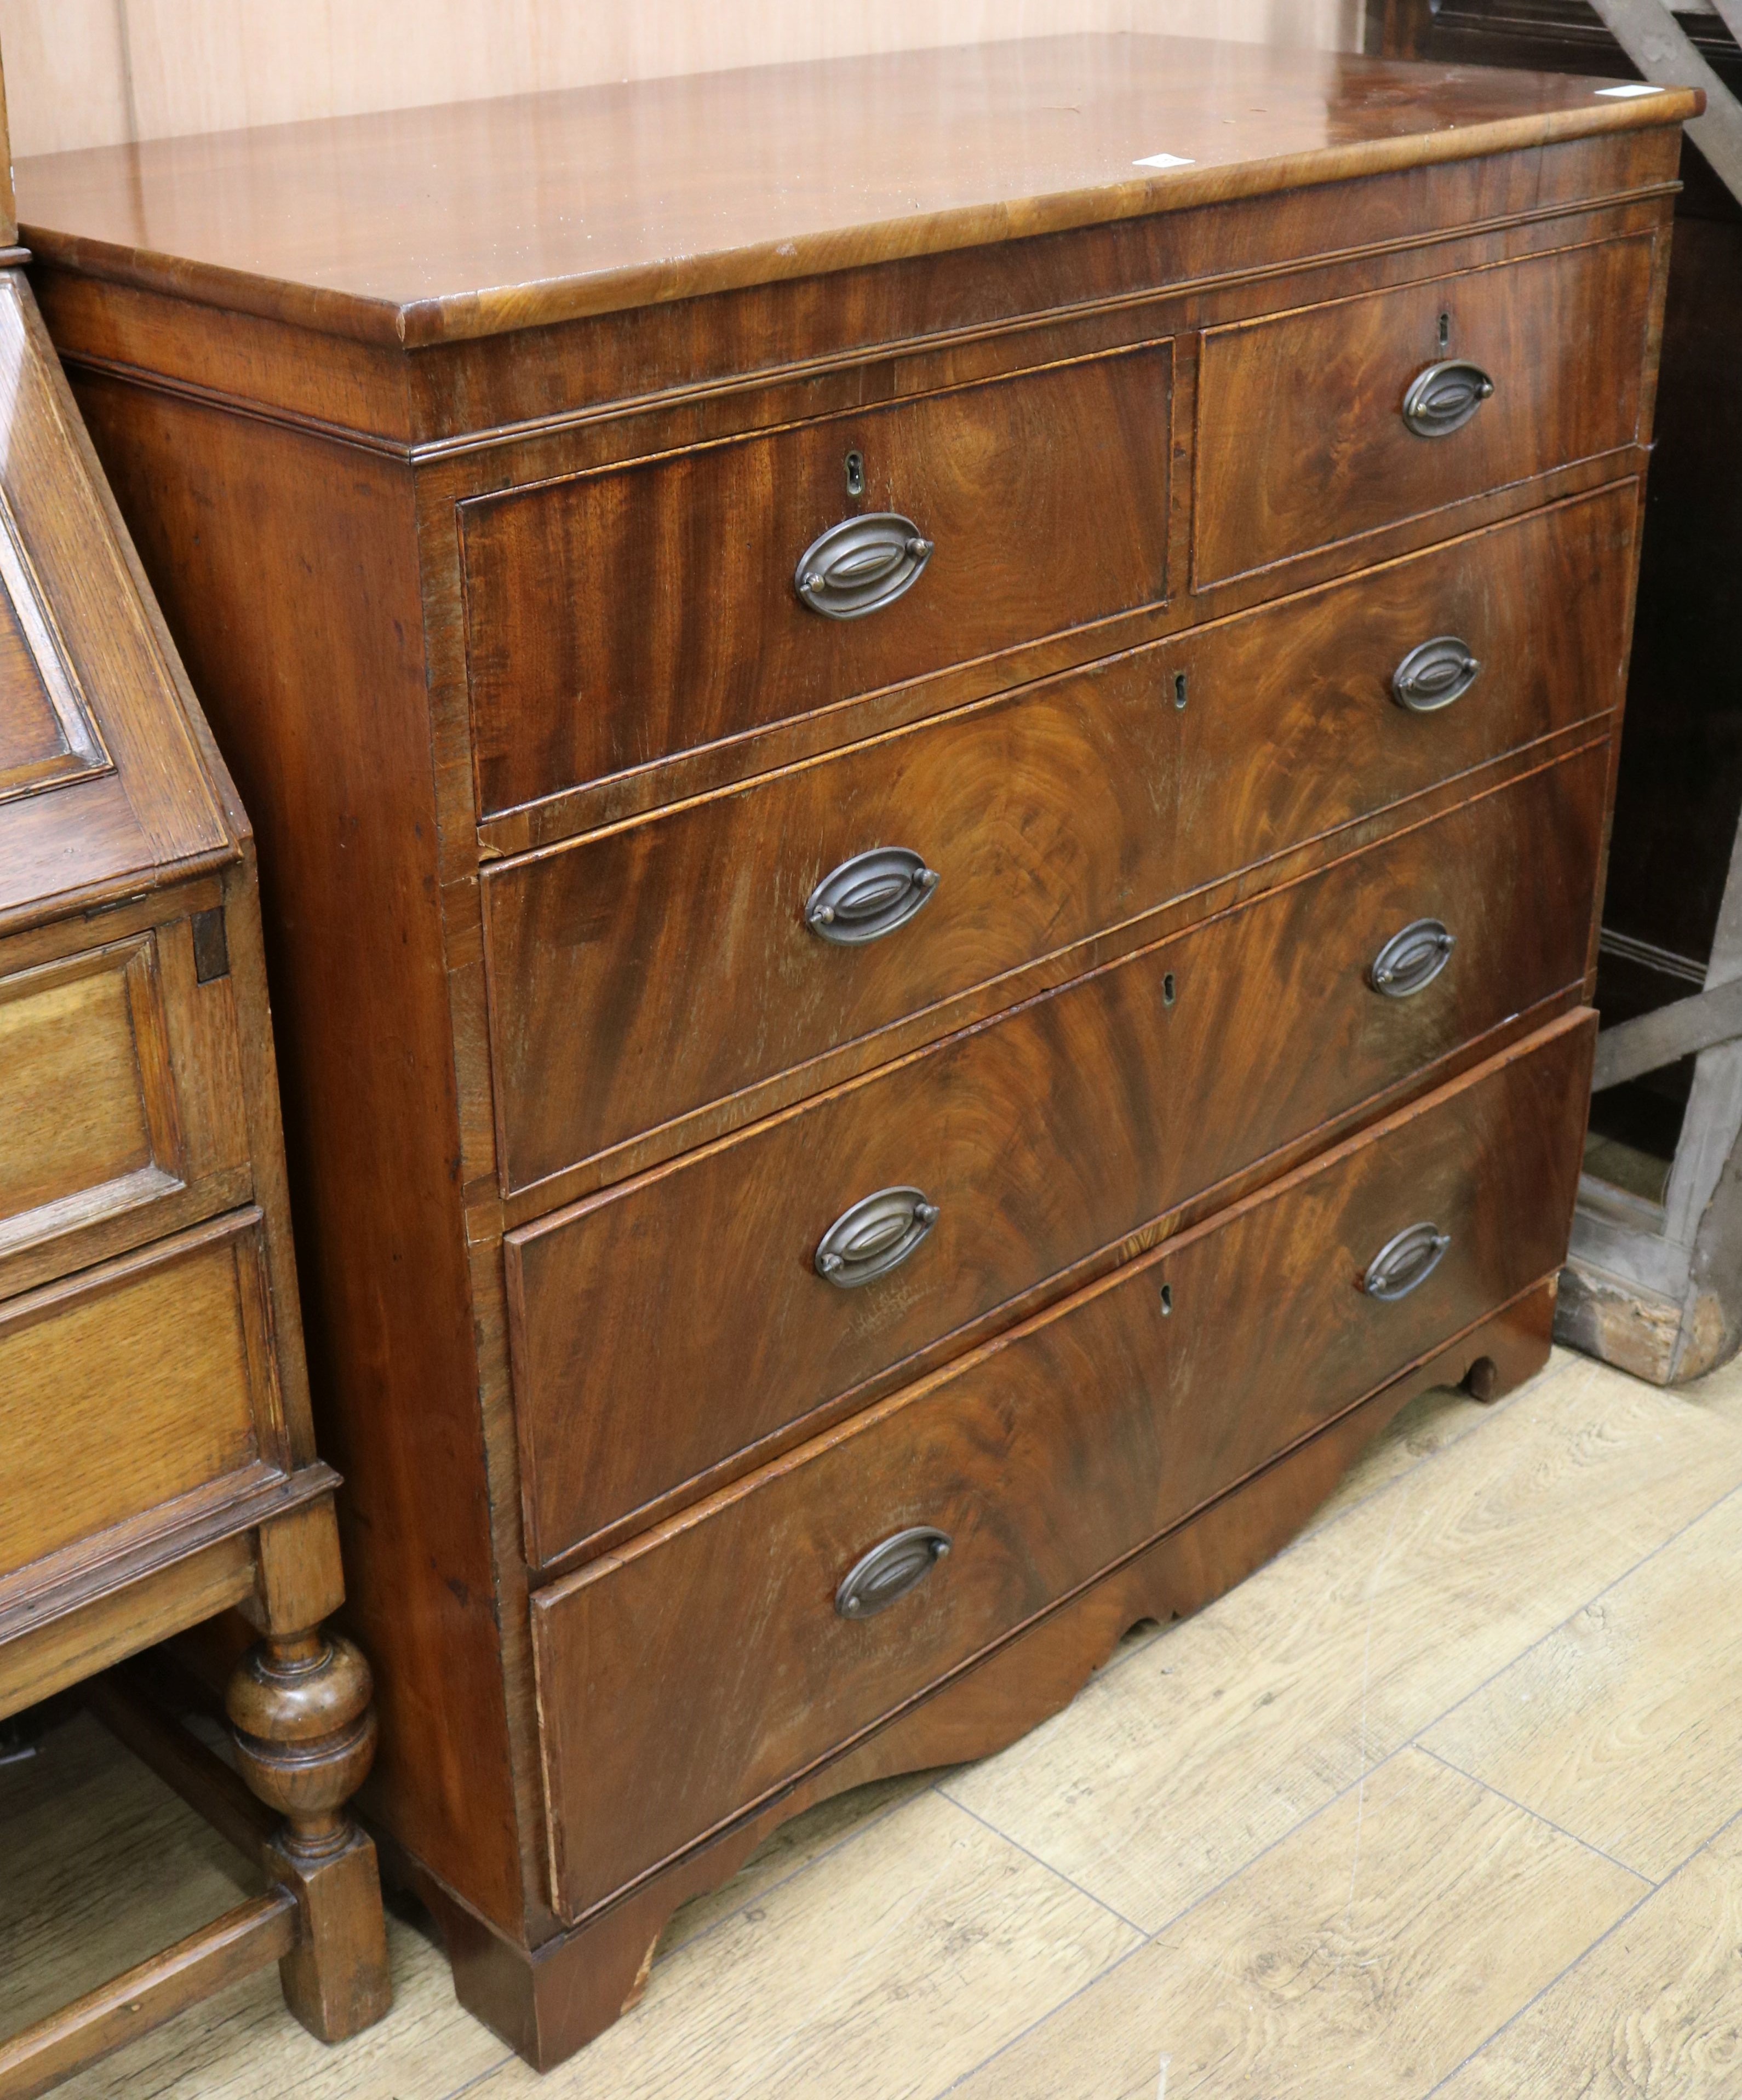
{"x":932,"y":740}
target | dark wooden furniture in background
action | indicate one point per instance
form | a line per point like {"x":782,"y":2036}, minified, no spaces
{"x":156,"y":1445}
{"x":932,"y":739}
{"x":1654,"y":1282}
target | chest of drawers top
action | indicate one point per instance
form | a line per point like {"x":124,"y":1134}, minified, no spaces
{"x":429,"y":230}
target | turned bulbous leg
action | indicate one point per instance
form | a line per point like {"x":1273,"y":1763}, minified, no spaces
{"x":305,"y":1732}
{"x":299,"y":1704}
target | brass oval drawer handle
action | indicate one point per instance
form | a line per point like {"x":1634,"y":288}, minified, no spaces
{"x":1405,"y":1261}
{"x":1434,"y":674}
{"x":862,"y":564}
{"x":1444,"y":397}
{"x":869,"y":896}
{"x":1411,"y":959}
{"x":877,"y":1234}
{"x":890,"y":1571}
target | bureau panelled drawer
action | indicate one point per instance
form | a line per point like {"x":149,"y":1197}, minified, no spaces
{"x":134,"y":1385}
{"x":1034,"y":1142}
{"x":624,"y":969}
{"x":717,"y":1657}
{"x":1320,"y":423}
{"x":115,"y":1068}
{"x":636,"y":611}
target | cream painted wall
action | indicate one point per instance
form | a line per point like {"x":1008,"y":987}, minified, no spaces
{"x":83,"y":73}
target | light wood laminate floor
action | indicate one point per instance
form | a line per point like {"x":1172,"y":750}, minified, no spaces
{"x":1446,"y":1800}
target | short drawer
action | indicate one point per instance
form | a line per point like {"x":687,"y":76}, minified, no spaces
{"x":685,"y":1677}
{"x":669,"y":963}
{"x":1312,"y":428}
{"x":133,"y":1386}
{"x":121,"y":1112}
{"x":631,"y":613}
{"x":90,"y":1115}
{"x":1038,"y":1140}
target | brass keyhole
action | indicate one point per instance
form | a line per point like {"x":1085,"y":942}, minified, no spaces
{"x":855,"y":474}
{"x":1179,"y":689}
{"x":1169,"y":989}
{"x":1445,"y":334}
{"x":1167,"y":1300}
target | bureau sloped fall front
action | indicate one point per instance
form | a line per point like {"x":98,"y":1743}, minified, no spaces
{"x":931,"y":842}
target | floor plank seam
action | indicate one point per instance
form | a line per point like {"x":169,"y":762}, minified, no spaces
{"x":804,"y":1866}
{"x":1536,"y":1815}
{"x":472,"y":2084}
{"x":1596,"y":1597}
{"x":1609,"y":1931}
{"x":1034,"y":2026}
{"x":1179,"y":1916}
{"x":1016,"y":1845}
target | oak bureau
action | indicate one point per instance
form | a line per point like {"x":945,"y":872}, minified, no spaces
{"x":931,"y":737}
{"x":158,"y":1471}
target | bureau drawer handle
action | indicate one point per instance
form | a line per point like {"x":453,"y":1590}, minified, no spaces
{"x":1444,"y":397}
{"x":869,"y":896}
{"x":1403,"y":1262}
{"x":890,"y":1571}
{"x":1435,"y":674}
{"x":1410,"y":960}
{"x":876,"y":1235}
{"x":862,"y":564}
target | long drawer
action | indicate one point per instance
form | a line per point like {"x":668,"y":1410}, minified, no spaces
{"x":1331,"y":421}
{"x":719,"y":1656}
{"x":1036,"y":1141}
{"x":628,"y":613}
{"x":653,"y":968}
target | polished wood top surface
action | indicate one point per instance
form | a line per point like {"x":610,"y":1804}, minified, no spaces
{"x":421,"y":225}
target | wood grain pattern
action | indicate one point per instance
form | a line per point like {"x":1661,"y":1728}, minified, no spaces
{"x":1378,"y":1944}
{"x":153,"y":1405}
{"x":1044,"y":1139}
{"x":300,"y":425}
{"x":1045,"y":1457}
{"x":909,"y":153}
{"x":361,"y":1101}
{"x":572,"y":1988}
{"x":1050,"y":815}
{"x":1148,"y":277}
{"x":1653,"y":2007}
{"x":1046,"y":497}
{"x":90,"y":1096}
{"x":171,"y":1330}
{"x":1638,"y":1760}
{"x":253,"y":1936}
{"x":1301,"y":439}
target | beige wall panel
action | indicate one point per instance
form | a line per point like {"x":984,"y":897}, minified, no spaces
{"x":92,"y":72}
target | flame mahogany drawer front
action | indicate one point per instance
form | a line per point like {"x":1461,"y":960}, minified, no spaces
{"x":1036,"y":1141}
{"x":640,"y":611}
{"x":1321,"y":425}
{"x":665,"y":964}
{"x":712,"y":1660}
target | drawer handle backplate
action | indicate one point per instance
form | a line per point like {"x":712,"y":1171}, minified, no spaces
{"x":1444,"y":397}
{"x":890,"y":1571}
{"x":861,"y":565}
{"x":1411,"y":959}
{"x":869,"y":896}
{"x":877,"y":1234}
{"x":1405,"y":1261}
{"x":1434,"y":674}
